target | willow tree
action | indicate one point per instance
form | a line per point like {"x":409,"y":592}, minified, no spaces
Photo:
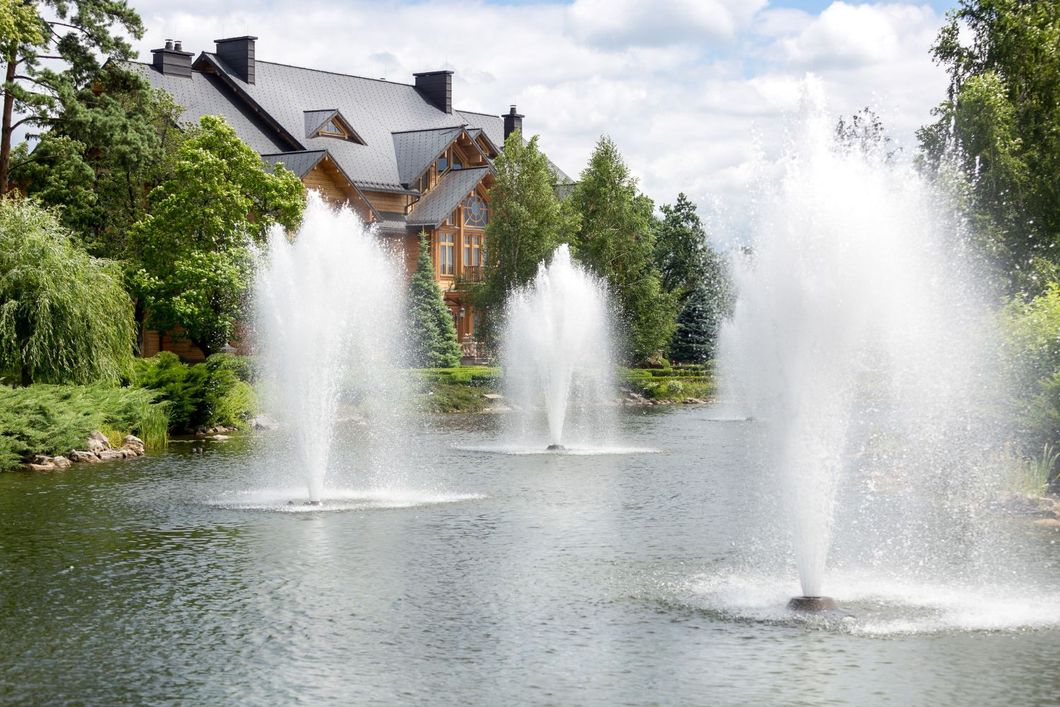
{"x":65,"y":316}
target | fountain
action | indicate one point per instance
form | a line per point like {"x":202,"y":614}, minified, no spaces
{"x":557,"y":354}
{"x":860,"y":342}
{"x":329,"y":306}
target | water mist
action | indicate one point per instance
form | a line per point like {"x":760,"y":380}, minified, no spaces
{"x":557,"y":355}
{"x":860,"y":342}
{"x":329,"y":311}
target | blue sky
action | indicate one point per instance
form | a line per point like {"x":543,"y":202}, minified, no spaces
{"x":698,"y":94}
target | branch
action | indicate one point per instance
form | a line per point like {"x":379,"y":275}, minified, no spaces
{"x":27,"y":119}
{"x":64,"y":24}
{"x":36,"y":81}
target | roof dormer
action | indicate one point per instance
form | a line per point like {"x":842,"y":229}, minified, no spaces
{"x":330,"y":123}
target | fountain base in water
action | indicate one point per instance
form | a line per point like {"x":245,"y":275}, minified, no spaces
{"x":555,"y":448}
{"x":812,"y":604}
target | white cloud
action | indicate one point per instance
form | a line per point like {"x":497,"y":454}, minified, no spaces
{"x":690,"y":91}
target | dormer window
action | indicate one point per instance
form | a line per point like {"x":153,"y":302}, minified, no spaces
{"x":332,"y":128}
{"x":329,"y":123}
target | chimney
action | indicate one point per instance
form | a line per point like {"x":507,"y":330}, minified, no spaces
{"x":437,"y":88}
{"x":172,"y":60}
{"x":238,"y":54}
{"x":512,"y":122}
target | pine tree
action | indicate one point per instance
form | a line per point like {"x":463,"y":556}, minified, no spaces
{"x":432,"y":334}
{"x":697,"y":326}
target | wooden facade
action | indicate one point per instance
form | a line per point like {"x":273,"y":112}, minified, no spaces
{"x":457,"y":242}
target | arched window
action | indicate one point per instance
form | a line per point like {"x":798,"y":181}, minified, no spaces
{"x":476,"y":213}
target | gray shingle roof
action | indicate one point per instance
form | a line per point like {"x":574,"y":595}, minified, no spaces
{"x":203,"y":95}
{"x":450,"y":190}
{"x":392,"y":222}
{"x":415,"y":150}
{"x":300,"y":162}
{"x":315,"y":118}
{"x":273,"y":113}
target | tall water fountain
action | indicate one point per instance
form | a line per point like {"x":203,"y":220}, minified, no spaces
{"x":860,"y":340}
{"x":557,"y":355}
{"x":329,"y":305}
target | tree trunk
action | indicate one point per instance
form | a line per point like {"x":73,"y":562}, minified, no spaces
{"x":6,"y":130}
{"x":27,"y":375}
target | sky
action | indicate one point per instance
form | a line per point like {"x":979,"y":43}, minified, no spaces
{"x":695,"y":93}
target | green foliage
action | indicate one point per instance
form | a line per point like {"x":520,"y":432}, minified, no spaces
{"x":1032,"y":341}
{"x":217,"y":392}
{"x":527,"y":222}
{"x":467,"y":375}
{"x":195,"y":245}
{"x":864,"y":132}
{"x":700,"y":317}
{"x":50,"y":50}
{"x":107,"y":148}
{"x":454,"y":397}
{"x":1000,"y":127}
{"x":695,"y":275}
{"x":616,"y":240}
{"x":65,"y":317}
{"x":55,"y":419}
{"x":670,"y":385}
{"x":431,"y":332}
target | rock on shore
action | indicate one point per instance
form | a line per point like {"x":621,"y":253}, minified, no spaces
{"x":97,"y":449}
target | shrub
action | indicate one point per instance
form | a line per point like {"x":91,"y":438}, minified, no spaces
{"x":54,"y":419}
{"x":217,"y":392}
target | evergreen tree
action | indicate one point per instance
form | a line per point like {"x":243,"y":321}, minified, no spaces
{"x":107,"y":148}
{"x":616,"y":240}
{"x":527,"y":222}
{"x":431,"y":332}
{"x":65,"y":317}
{"x":194,"y":245}
{"x":693,"y":273}
{"x":36,"y":39}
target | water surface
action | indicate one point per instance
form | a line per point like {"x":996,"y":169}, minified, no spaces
{"x":494,"y":579}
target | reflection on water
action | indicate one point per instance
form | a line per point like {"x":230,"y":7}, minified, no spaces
{"x":498,"y":579}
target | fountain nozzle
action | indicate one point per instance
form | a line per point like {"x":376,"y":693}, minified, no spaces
{"x":555,"y":448}
{"x":812,"y":604}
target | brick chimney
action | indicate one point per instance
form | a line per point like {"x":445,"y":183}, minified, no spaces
{"x":238,"y":54}
{"x":172,"y":60}
{"x":437,"y":88}
{"x":512,"y":122}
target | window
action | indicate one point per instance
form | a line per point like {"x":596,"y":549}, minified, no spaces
{"x":332,"y":128}
{"x":445,"y":253}
{"x":472,"y":250}
{"x":442,"y":164}
{"x":476,"y":214}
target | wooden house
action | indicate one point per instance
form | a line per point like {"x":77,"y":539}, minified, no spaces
{"x":400,"y":154}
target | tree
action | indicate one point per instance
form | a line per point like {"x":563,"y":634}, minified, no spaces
{"x":65,"y":317}
{"x":864,"y":131}
{"x":615,"y":239}
{"x":431,"y":332}
{"x":35,"y":36}
{"x":693,"y":273}
{"x":195,"y":244}
{"x":1000,"y":127}
{"x":106,"y":150}
{"x":527,"y":222}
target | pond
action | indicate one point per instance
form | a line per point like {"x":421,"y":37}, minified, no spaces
{"x":590,"y":579}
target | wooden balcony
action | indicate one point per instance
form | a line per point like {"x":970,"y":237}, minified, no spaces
{"x":472,"y":273}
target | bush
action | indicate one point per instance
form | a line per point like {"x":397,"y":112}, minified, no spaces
{"x":217,"y":392}
{"x":54,"y":419}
